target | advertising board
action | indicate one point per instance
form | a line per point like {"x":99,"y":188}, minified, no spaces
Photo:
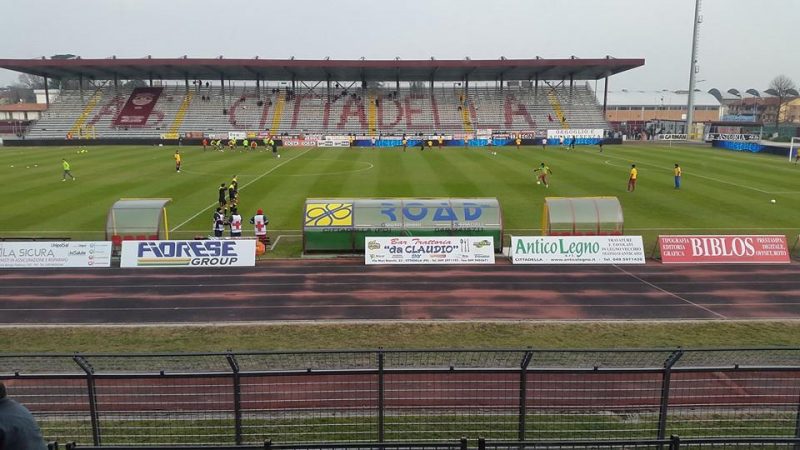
{"x":202,"y":253}
{"x":579,"y":133}
{"x":761,"y":249}
{"x":55,"y":254}
{"x":429,"y":250}
{"x":577,"y":250}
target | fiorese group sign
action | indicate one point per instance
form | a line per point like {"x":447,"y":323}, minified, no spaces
{"x":207,"y":253}
{"x":761,"y":249}
{"x":429,"y":250}
{"x":577,"y":250}
{"x":55,"y":254}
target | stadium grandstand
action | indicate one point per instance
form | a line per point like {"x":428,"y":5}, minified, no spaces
{"x":203,"y":97}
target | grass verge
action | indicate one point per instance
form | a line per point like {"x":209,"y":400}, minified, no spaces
{"x":425,"y":335}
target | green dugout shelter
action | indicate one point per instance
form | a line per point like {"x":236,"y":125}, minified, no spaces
{"x":341,"y":225}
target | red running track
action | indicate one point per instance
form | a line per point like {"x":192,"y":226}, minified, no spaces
{"x":349,"y":290}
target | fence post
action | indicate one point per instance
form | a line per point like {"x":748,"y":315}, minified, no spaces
{"x":666,"y":377}
{"x":381,"y":396}
{"x":523,"y":393}
{"x":90,"y":387}
{"x":237,"y":398}
{"x":674,"y":442}
{"x":797,"y":424}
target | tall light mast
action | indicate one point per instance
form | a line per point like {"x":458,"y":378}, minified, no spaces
{"x":693,"y":69}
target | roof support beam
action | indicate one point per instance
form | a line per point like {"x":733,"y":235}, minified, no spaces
{"x":328,"y":85}
{"x":571,"y":84}
{"x":46,"y":93}
{"x":433,"y":78}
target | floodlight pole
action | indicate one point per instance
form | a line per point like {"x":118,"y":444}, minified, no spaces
{"x":692,"y":70}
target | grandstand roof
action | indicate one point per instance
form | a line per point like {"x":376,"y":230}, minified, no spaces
{"x":320,"y":70}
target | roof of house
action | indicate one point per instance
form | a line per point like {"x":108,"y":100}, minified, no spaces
{"x":23,"y":107}
{"x":659,"y":98}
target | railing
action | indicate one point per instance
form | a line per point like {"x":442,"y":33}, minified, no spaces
{"x":268,"y":445}
{"x":673,"y":443}
{"x":409,"y":396}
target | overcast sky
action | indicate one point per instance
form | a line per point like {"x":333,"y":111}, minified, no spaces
{"x":743,"y":43}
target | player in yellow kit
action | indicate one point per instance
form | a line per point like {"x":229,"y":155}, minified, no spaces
{"x":542,"y":175}
{"x":634,"y":174}
{"x":177,"y":157}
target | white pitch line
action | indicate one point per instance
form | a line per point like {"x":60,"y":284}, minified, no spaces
{"x":692,"y":174}
{"x":244,"y":186}
{"x":670,"y":293}
{"x":275,"y":244}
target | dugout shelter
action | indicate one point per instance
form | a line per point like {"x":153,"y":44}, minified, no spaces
{"x":137,"y":219}
{"x":341,"y":225}
{"x":582,"y":216}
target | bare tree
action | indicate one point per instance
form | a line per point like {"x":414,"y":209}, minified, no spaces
{"x":782,"y":87}
{"x":29,"y":81}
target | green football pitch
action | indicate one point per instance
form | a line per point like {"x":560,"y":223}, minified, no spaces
{"x":723,"y":192}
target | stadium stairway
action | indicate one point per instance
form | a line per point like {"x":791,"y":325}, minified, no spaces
{"x":556,"y":105}
{"x":181,"y":114}
{"x":372,"y":114}
{"x":465,"y":114}
{"x":276,"y":118}
{"x":87,"y":110}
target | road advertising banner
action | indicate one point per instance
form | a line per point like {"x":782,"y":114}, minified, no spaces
{"x":297,"y":142}
{"x":138,"y":107}
{"x":55,"y":254}
{"x":204,"y":253}
{"x":761,"y":249}
{"x":577,"y":250}
{"x":429,"y":250}
{"x":579,"y":133}
{"x":334,"y":141}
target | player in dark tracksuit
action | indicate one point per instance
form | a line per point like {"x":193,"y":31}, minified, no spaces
{"x":222,"y":195}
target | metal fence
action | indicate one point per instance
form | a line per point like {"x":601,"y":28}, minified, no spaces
{"x":409,"y":396}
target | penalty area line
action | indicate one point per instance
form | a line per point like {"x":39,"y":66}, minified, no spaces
{"x":243,"y":187}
